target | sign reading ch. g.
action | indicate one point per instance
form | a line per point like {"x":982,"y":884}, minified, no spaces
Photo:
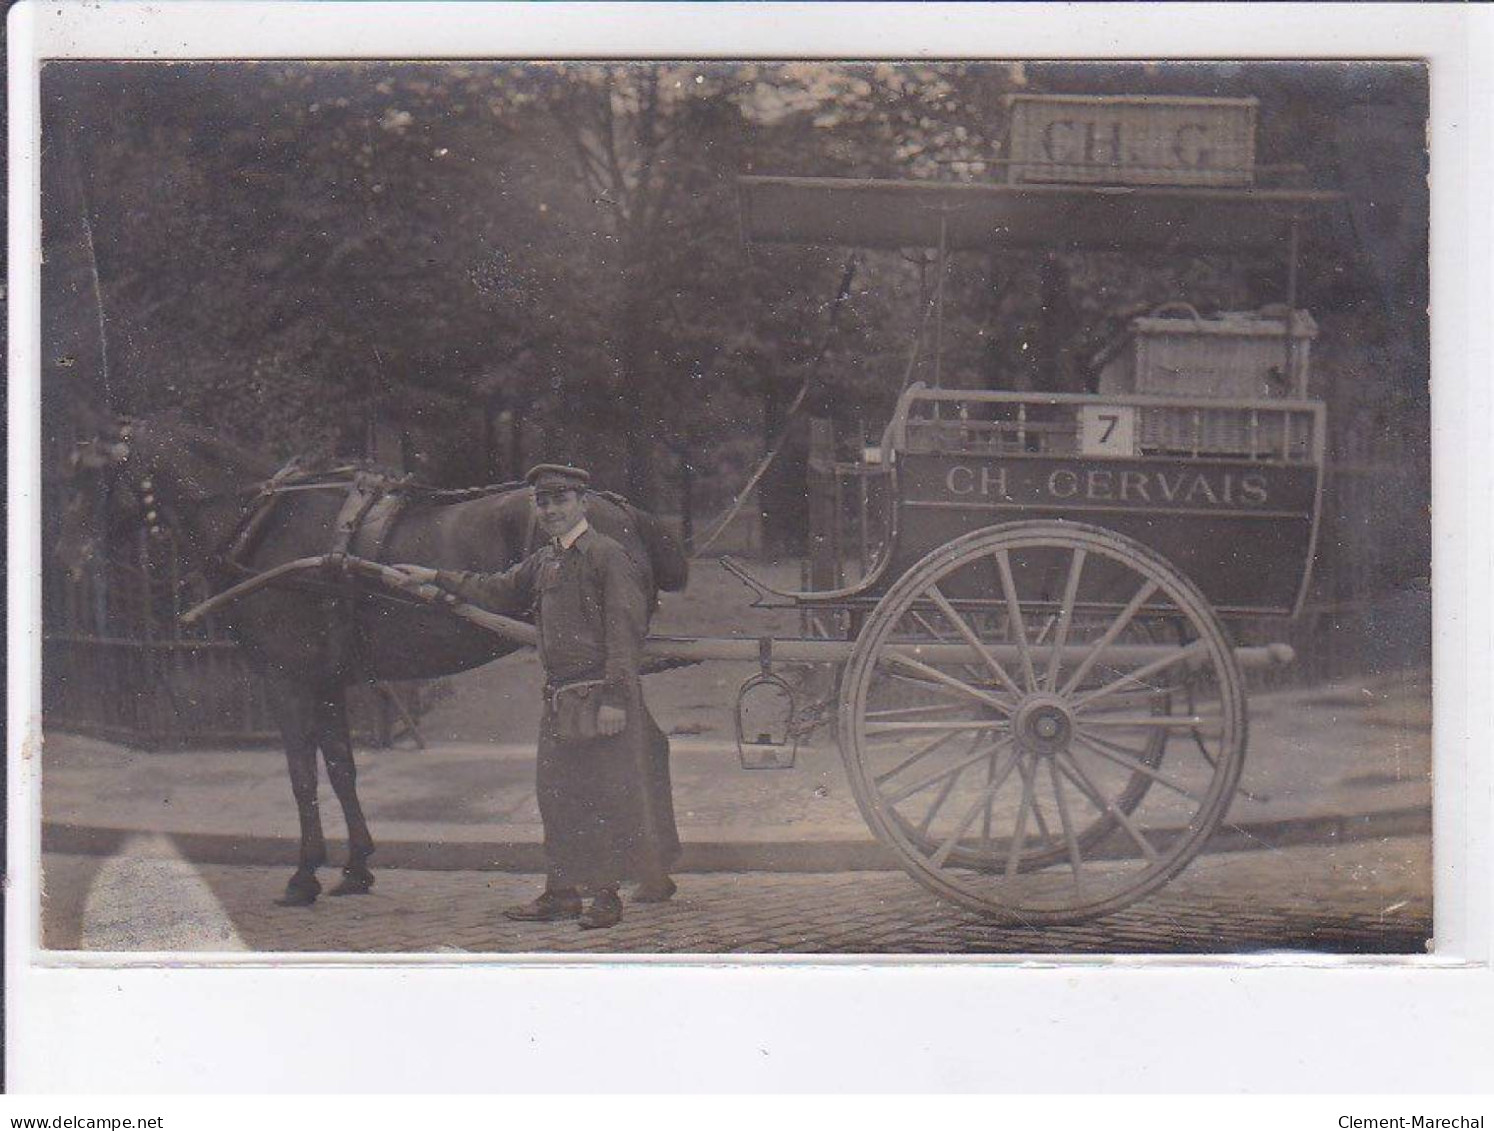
{"x":1131,"y":140}
{"x":1064,"y":484}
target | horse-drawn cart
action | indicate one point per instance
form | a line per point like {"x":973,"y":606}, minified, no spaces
{"x":1041,"y":710}
{"x":1040,"y":707}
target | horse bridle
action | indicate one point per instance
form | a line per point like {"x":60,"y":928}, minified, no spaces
{"x":152,"y":508}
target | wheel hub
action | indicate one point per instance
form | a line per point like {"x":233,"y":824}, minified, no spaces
{"x":1043,"y":725}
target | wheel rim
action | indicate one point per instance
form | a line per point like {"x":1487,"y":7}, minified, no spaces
{"x":1015,"y":732}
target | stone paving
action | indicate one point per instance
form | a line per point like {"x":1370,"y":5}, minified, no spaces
{"x":1366,"y":897}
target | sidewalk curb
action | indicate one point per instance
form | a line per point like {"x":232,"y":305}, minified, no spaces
{"x":697,"y":856}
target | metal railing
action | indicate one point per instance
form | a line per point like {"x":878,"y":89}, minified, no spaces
{"x":977,"y":422}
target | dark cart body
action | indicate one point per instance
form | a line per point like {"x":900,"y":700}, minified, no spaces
{"x":1241,"y":523}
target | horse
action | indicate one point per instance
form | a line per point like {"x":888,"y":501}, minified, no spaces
{"x":235,"y":516}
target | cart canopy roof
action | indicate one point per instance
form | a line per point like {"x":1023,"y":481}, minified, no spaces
{"x":893,"y":214}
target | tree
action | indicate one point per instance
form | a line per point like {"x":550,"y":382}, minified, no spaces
{"x":463,"y":264}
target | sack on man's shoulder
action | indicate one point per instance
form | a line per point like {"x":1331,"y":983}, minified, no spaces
{"x":576,"y":706}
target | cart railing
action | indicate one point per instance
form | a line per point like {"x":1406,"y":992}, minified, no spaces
{"x":983,"y":422}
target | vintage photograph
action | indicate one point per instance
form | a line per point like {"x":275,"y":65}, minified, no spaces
{"x":735,"y":508}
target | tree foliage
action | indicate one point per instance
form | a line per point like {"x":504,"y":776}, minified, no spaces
{"x":462,"y":266}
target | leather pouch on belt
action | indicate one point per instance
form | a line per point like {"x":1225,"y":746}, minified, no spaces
{"x":576,"y":706}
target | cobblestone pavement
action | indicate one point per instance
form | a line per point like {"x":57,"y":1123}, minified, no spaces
{"x":1361,"y":897}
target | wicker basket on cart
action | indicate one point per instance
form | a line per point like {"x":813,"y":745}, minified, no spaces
{"x":1232,"y":356}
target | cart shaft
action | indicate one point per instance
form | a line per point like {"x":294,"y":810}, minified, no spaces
{"x":695,"y":649}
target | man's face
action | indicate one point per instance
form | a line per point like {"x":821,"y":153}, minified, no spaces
{"x":559,"y":510}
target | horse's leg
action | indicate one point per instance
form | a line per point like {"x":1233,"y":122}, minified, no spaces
{"x":337,"y":749}
{"x":296,"y":714}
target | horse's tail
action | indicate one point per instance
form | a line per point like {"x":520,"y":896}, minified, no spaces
{"x":665,"y":554}
{"x":666,"y":557}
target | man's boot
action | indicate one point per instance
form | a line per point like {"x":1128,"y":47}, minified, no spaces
{"x":606,"y":910}
{"x":562,"y":903}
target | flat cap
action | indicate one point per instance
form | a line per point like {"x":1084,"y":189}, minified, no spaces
{"x":557,"y":477}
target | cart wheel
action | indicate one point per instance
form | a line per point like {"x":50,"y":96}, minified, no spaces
{"x":1044,"y":720}
{"x":1150,"y":753}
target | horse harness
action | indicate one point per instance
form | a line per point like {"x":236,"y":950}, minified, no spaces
{"x":372,"y":500}
{"x":372,"y":503}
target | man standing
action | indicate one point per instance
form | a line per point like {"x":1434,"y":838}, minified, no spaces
{"x":603,"y":771}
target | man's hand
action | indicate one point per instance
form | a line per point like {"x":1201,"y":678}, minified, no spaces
{"x":419,"y":577}
{"x":611,"y":720}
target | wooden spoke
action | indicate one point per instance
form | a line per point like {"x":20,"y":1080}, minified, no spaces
{"x":1019,"y":834}
{"x":907,"y":712}
{"x":1065,"y":617}
{"x":985,"y":823}
{"x":1037,"y":815}
{"x":1123,"y":758}
{"x":1049,"y":622}
{"x":916,"y":756}
{"x":1076,"y":855}
{"x":950,"y":842}
{"x":1130,"y":680}
{"x":922,"y":684}
{"x":1014,"y":611}
{"x":1076,"y":774}
{"x":939,"y":799}
{"x":915,"y":681}
{"x":1153,"y":722}
{"x":969,"y":669}
{"x":922,"y":784}
{"x":999,"y":754}
{"x":1117,"y":626}
{"x":951,"y":725}
{"x":938,"y":637}
{"x":1198,"y":740}
{"x":995,"y":780}
{"x":1030,"y":771}
{"x":936,"y":676}
{"x":972,"y":639}
{"x":1139,"y":746}
{"x":1139,"y":698}
{"x":923,"y":622}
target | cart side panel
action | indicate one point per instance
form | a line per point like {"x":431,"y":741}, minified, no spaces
{"x":1241,"y":530}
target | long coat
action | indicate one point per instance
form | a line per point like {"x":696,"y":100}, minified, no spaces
{"x":606,"y":802}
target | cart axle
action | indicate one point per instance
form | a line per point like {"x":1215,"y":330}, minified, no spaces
{"x":810,"y":650}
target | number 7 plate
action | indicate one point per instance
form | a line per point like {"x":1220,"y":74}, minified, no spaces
{"x":1107,"y":430}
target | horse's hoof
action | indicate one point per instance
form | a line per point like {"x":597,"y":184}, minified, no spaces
{"x":354,"y":883}
{"x":300,"y":893}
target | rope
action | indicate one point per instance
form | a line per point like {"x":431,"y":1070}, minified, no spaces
{"x":293,"y":478}
{"x":916,"y":348}
{"x":778,"y":440}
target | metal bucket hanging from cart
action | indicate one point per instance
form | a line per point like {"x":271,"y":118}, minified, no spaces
{"x":766,"y":710}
